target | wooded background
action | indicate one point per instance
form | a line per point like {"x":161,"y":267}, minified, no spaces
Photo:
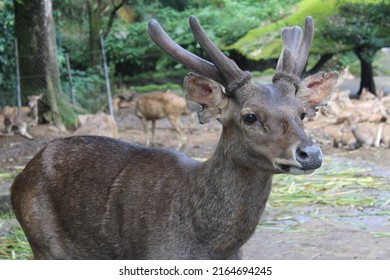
{"x":349,"y":33}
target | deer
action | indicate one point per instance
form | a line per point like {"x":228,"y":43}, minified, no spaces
{"x":28,"y":117}
{"x":160,"y":105}
{"x":365,"y":133}
{"x":90,"y":197}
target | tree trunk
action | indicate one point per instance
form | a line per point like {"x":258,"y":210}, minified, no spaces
{"x":94,"y":20}
{"x":34,"y":30}
{"x":366,"y":56}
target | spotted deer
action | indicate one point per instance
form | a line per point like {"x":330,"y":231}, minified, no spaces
{"x":101,"y":198}
{"x":159,"y":105}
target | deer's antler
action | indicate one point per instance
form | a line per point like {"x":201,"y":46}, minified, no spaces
{"x":222,"y":69}
{"x":295,"y":51}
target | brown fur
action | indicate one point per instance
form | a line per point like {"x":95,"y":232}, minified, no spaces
{"x":160,"y":105}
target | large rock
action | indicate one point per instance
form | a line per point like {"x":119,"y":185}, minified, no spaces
{"x":99,"y":124}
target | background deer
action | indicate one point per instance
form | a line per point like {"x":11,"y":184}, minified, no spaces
{"x":353,"y":123}
{"x":28,"y":118}
{"x":92,"y":197}
{"x":160,"y":105}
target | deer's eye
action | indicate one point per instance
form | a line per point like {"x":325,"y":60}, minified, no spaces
{"x":303,"y":115}
{"x":250,"y":118}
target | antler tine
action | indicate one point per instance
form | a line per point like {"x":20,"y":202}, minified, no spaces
{"x":233,"y":75}
{"x":295,"y":51}
{"x":305,"y":44}
{"x":188,"y":59}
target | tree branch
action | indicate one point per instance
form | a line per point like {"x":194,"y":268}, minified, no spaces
{"x":107,"y":29}
{"x":320,"y":63}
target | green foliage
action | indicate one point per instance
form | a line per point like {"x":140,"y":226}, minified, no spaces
{"x":89,"y":89}
{"x":131,"y":46}
{"x":7,"y":54}
{"x":350,"y":60}
{"x":67,"y":112}
{"x":224,"y":25}
{"x":360,"y":18}
{"x":360,"y":25}
{"x":153,"y":87}
{"x":236,"y":18}
{"x":265,"y":41}
{"x":146,"y":77}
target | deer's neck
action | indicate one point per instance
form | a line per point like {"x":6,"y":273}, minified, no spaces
{"x":34,"y":111}
{"x":227,"y":201}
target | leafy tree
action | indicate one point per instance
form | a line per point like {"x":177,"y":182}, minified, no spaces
{"x":93,"y":17}
{"x":365,"y":29}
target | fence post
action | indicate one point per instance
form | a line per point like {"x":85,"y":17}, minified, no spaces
{"x":18,"y":93}
{"x":70,"y":80}
{"x":108,"y":87}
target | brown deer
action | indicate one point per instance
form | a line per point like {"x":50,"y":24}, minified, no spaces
{"x":28,"y":118}
{"x":160,"y":105}
{"x":100,"y":198}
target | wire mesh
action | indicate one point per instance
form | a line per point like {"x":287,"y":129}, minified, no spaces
{"x":87,"y":84}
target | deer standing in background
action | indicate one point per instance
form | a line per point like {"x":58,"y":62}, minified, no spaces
{"x":101,"y":198}
{"x":160,"y":105}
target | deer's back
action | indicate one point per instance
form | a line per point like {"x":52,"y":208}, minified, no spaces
{"x":160,"y":105}
{"x":96,"y":190}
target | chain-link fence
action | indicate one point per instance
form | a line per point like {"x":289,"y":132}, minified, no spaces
{"x":82,"y":89}
{"x":7,"y":96}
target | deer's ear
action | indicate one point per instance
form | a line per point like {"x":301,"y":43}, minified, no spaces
{"x":316,"y":90}
{"x":207,"y":93}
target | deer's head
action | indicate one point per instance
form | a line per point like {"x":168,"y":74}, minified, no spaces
{"x":262,"y":123}
{"x":33,"y":100}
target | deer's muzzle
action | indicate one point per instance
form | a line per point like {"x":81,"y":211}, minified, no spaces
{"x":307,"y":158}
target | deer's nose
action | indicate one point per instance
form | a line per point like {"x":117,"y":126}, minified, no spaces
{"x":309,"y":156}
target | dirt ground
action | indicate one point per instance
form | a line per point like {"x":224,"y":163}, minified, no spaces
{"x":300,"y":232}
